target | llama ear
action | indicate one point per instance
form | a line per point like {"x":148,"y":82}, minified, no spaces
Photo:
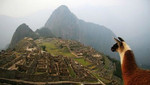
{"x":120,"y":39}
{"x":117,"y":41}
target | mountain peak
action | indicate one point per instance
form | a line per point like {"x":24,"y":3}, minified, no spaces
{"x":23,"y":26}
{"x":60,"y":14}
{"x":63,"y":7}
{"x":21,"y":32}
{"x":63,"y":23}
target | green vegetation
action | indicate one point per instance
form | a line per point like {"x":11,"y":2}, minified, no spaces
{"x":118,"y":71}
{"x":107,"y":62}
{"x":44,"y":32}
{"x":71,"y":72}
{"x":52,"y":48}
{"x":82,"y":61}
{"x":43,"y":47}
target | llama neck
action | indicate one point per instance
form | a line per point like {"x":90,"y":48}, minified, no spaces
{"x":128,"y":64}
{"x":122,"y":51}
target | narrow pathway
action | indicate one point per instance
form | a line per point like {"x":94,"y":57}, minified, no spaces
{"x":15,"y":81}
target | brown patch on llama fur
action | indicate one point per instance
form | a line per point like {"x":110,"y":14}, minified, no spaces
{"x":132,"y":75}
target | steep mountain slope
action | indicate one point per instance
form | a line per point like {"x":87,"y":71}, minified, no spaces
{"x":65,"y":24}
{"x":21,"y":32}
{"x":44,"y":32}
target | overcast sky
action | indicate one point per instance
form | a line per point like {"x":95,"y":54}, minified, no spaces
{"x":19,"y":8}
{"x":114,"y":14}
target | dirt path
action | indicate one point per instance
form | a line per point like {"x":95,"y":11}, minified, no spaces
{"x":15,"y":81}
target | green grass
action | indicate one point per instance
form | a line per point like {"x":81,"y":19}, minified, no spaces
{"x":82,"y":61}
{"x":55,"y":50}
{"x":107,"y":62}
{"x":72,"y":73}
{"x":118,"y":71}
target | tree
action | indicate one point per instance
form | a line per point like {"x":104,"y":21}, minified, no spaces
{"x":43,"y":47}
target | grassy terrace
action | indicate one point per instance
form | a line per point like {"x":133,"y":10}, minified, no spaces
{"x":55,"y":50}
{"x":82,"y":61}
{"x":107,"y":62}
{"x":73,"y":74}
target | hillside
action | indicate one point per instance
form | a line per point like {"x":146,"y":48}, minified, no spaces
{"x":63,"y":23}
{"x":53,"y":60}
{"x":44,"y":32}
{"x":21,"y":32}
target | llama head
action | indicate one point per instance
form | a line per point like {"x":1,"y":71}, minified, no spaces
{"x":120,"y":46}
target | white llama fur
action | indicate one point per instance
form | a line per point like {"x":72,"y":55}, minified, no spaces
{"x":122,"y":51}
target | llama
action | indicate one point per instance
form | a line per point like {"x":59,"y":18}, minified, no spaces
{"x":131,"y":73}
